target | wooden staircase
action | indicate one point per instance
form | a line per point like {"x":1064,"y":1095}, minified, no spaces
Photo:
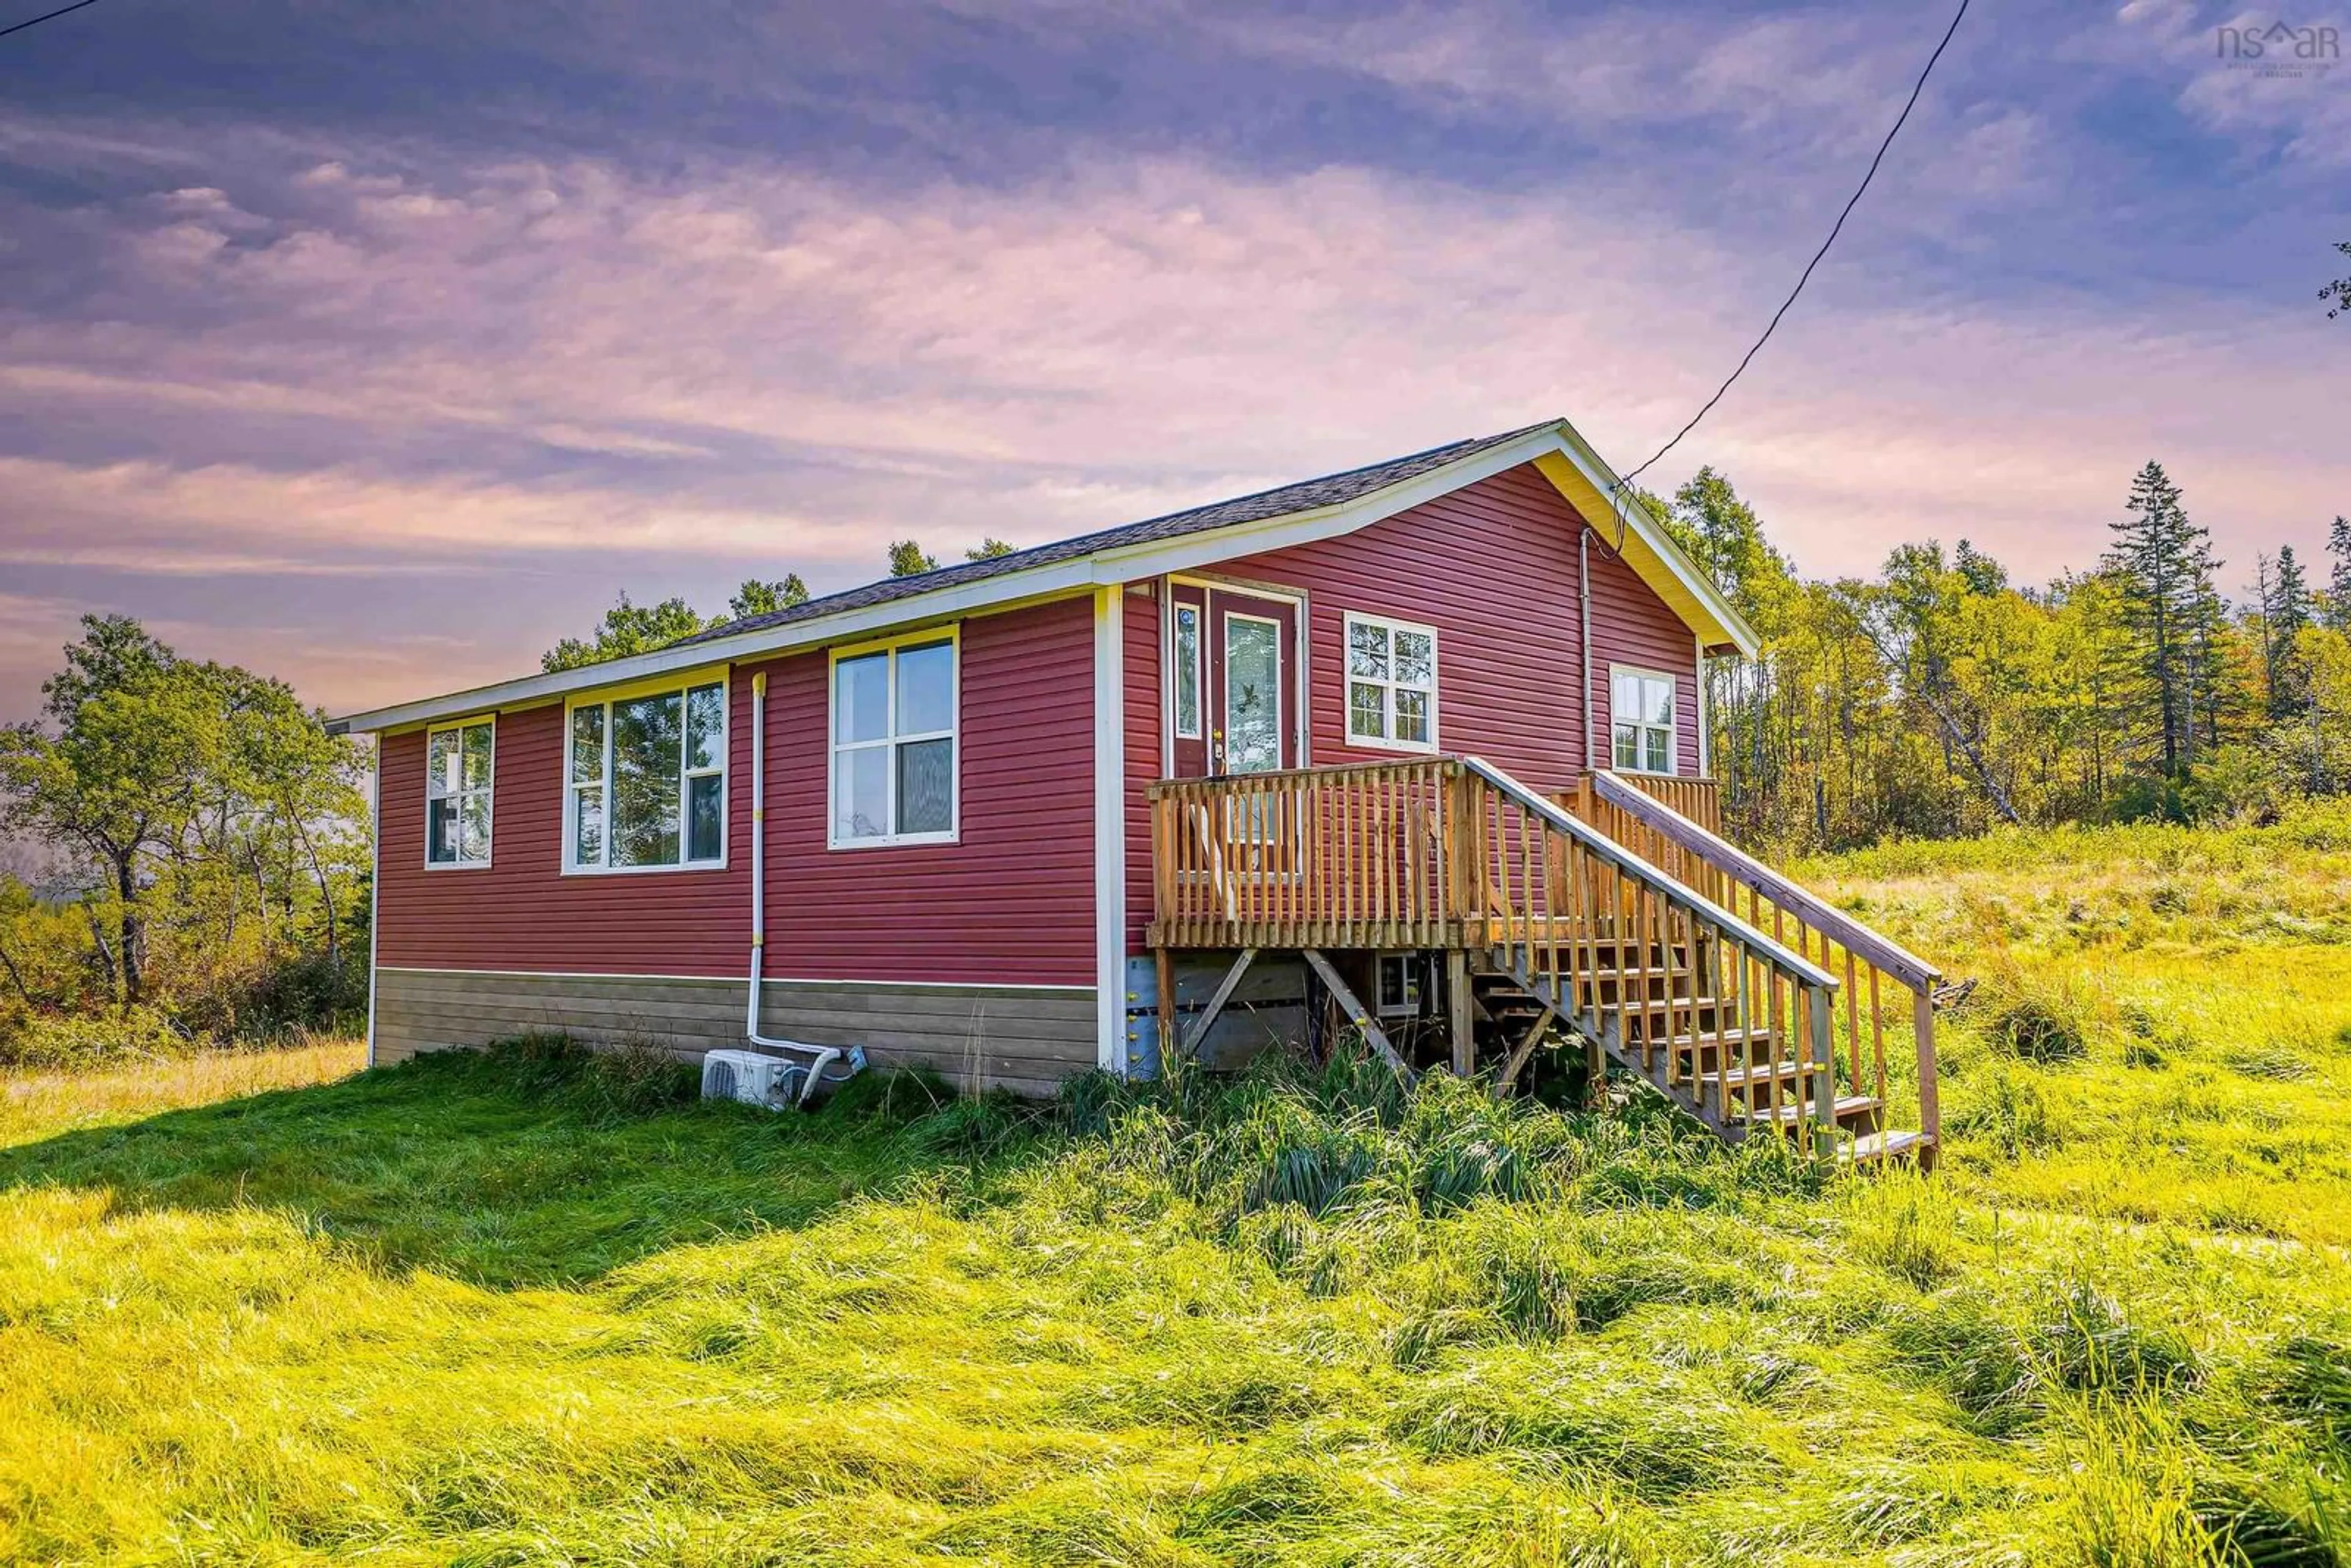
{"x":1736,"y":1026}
{"x":1612,"y":917}
{"x":1655,"y":1009}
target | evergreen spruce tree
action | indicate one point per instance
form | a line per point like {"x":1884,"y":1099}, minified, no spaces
{"x":2169,"y":614}
{"x":2286,"y":612}
{"x":2338,"y":580}
{"x":1984,"y":574}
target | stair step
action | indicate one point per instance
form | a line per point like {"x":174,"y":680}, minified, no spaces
{"x":1712,"y":1040}
{"x":1871,"y":1147}
{"x":1849,"y":1108}
{"x":1738,"y":1078}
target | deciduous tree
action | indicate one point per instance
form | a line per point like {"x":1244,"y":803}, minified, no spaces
{"x":907,"y":559}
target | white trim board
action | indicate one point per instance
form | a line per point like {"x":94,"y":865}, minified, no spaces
{"x":1110,"y":828}
{"x":375,"y":882}
{"x":1557,"y":450}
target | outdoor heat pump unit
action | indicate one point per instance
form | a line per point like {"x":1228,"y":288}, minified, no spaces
{"x":754,"y":1078}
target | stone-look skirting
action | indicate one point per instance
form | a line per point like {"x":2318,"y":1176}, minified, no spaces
{"x":1023,"y":1038}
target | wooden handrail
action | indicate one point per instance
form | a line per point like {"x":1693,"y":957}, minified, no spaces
{"x":1697,"y":1000}
{"x":1748,"y":871}
{"x":1868,"y":956}
{"x":1633,"y":865}
{"x":1453,"y":852}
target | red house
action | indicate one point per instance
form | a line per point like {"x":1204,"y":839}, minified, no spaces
{"x":1420,"y":745}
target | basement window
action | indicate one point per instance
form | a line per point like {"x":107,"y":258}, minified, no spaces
{"x":894,"y":743}
{"x":1391,"y":685}
{"x":645,"y":779}
{"x":457,"y":762}
{"x":1401,"y":976}
{"x":1642,"y":713}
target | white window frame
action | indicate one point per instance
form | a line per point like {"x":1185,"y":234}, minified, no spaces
{"x":1348,"y":680}
{"x":1198,"y":611}
{"x":721,"y":678}
{"x":1672,"y":729}
{"x":488,"y":790}
{"x":952,"y":635}
{"x":1411,"y":970}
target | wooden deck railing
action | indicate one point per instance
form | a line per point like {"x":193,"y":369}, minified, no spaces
{"x":1876,"y":972}
{"x":1452,"y":852}
{"x":1700,"y":800}
{"x":1311,"y":857}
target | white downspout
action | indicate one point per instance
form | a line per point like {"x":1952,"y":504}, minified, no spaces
{"x":825,"y":1055}
{"x":1583,"y":591}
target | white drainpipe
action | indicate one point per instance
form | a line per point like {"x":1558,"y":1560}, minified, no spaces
{"x":1583,"y":589}
{"x":825,"y":1055}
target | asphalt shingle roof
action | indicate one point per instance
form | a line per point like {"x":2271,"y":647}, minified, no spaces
{"x":1306,"y":496}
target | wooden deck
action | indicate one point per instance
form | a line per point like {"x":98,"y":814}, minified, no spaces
{"x":1616,"y":910}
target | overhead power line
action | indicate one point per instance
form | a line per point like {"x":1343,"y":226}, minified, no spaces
{"x":45,"y":17}
{"x":1918,"y":87}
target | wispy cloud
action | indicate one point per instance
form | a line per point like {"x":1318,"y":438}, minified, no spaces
{"x":271,"y":364}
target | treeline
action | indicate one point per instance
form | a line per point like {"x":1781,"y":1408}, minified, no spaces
{"x":190,"y":855}
{"x":631,"y":628}
{"x":1941,"y":699}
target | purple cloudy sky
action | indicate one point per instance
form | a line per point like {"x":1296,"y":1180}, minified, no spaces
{"x":379,"y":345}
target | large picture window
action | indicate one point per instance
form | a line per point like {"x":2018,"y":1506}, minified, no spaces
{"x":894,"y":744}
{"x":1642,"y":712}
{"x":457,"y":762}
{"x":647,"y":780}
{"x":1391,"y":685}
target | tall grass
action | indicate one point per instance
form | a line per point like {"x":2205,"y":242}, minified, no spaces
{"x":524,"y":1309}
{"x":528,"y":1308}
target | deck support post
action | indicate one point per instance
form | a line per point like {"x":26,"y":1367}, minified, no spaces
{"x":1458,"y":1017}
{"x":1164,"y":962}
{"x":1819,"y":1019}
{"x":1358,"y":1015}
{"x":1198,"y":1033}
{"x":1507,"y":1080}
{"x":1930,"y":1110}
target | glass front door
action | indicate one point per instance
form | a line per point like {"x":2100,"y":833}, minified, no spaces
{"x":1254,"y":713}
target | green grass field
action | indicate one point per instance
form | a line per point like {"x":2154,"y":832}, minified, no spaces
{"x":510,"y":1311}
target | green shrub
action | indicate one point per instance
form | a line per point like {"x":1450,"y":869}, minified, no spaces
{"x":634,"y":1077}
{"x":2007,"y":1111}
{"x":893,"y":1096}
{"x":81,"y":1042}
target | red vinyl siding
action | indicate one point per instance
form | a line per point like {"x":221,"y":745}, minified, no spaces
{"x":1631,"y":625}
{"x":1143,"y":743}
{"x":1493,"y":567}
{"x":1012,"y":901}
{"x":522,"y":913}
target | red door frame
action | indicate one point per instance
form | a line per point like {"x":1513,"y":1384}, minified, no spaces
{"x":1197,"y":755}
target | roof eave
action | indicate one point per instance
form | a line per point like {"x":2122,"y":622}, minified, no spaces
{"x":1114,"y":564}
{"x":1715,"y":617}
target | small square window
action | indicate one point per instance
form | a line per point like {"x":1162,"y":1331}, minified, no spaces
{"x":1391,"y":685}
{"x":1642,"y":720}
